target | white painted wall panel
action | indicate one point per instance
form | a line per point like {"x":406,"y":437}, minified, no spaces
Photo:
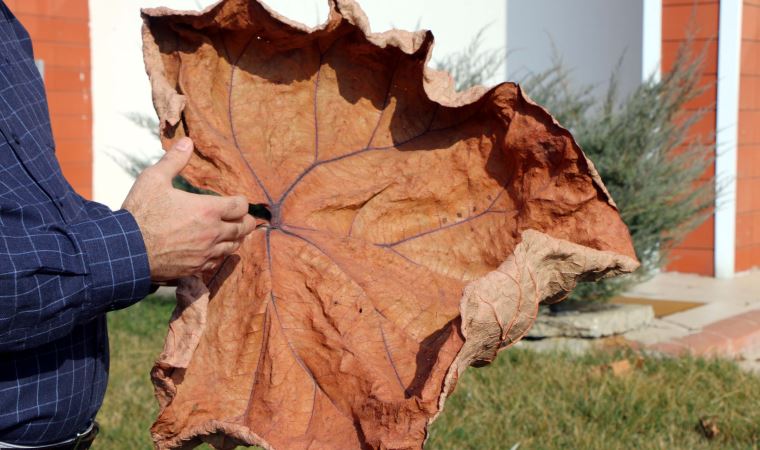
{"x":591,"y":36}
{"x":120,"y":85}
{"x":726,"y":127}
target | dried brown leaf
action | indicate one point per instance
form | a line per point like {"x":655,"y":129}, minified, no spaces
{"x":708,"y":426}
{"x":620,"y":368}
{"x":414,"y":229}
{"x":617,"y":368}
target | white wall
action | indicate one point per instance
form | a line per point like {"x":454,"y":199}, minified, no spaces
{"x":590,"y":36}
{"x":120,"y":85}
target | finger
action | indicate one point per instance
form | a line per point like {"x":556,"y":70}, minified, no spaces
{"x":236,"y":230}
{"x":250,"y":225}
{"x":223,"y":249}
{"x":174,"y":160}
{"x":232,"y":208}
{"x":230,"y":231}
{"x":212,"y":264}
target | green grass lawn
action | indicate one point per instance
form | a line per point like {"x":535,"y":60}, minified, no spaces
{"x":539,"y":401}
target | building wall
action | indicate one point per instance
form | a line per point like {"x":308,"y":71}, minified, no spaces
{"x":61,"y":36}
{"x":748,"y":177}
{"x":681,"y":18}
{"x":120,"y":85}
{"x":590,"y":36}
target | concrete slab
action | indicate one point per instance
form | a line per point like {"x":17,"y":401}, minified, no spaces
{"x":743,"y":289}
{"x":737,"y":337}
{"x":722,"y":298}
{"x":608,"y":320}
{"x":728,"y":324}
{"x":575,"y":346}
{"x":657,"y":331}
{"x":661,"y":307}
{"x":697,"y":318}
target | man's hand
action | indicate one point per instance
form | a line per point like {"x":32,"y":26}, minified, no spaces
{"x":184,"y":233}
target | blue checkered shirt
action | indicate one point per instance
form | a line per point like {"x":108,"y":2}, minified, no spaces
{"x":64,"y":262}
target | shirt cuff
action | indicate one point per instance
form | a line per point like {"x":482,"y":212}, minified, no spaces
{"x":114,"y":250}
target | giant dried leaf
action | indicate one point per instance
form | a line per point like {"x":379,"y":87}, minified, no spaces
{"x":413,"y":229}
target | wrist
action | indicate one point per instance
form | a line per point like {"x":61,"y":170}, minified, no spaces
{"x":116,"y":258}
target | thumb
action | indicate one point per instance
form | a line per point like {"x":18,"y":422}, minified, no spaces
{"x":175,"y":159}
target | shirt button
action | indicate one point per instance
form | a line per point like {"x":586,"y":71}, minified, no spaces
{"x":15,"y":138}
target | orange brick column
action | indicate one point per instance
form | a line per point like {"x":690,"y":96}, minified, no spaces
{"x":748,"y":177}
{"x":61,"y":36}
{"x":700,"y":18}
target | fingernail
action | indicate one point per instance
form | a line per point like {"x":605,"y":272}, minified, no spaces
{"x":184,"y":145}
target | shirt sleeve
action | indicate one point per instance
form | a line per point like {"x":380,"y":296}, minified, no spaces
{"x":57,"y":277}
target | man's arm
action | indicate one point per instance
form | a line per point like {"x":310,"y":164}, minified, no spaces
{"x":54,"y":278}
{"x":57,"y":277}
{"x":185,"y":234}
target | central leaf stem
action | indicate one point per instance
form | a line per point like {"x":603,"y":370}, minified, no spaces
{"x":276,"y":219}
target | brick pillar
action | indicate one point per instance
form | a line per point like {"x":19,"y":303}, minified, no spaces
{"x":60,"y":33}
{"x":748,"y":177}
{"x":700,"y":18}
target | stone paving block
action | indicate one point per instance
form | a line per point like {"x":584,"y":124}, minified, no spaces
{"x":706,"y":343}
{"x":735,"y":336}
{"x":753,"y":316}
{"x":733,"y":328}
{"x":609,"y":321}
